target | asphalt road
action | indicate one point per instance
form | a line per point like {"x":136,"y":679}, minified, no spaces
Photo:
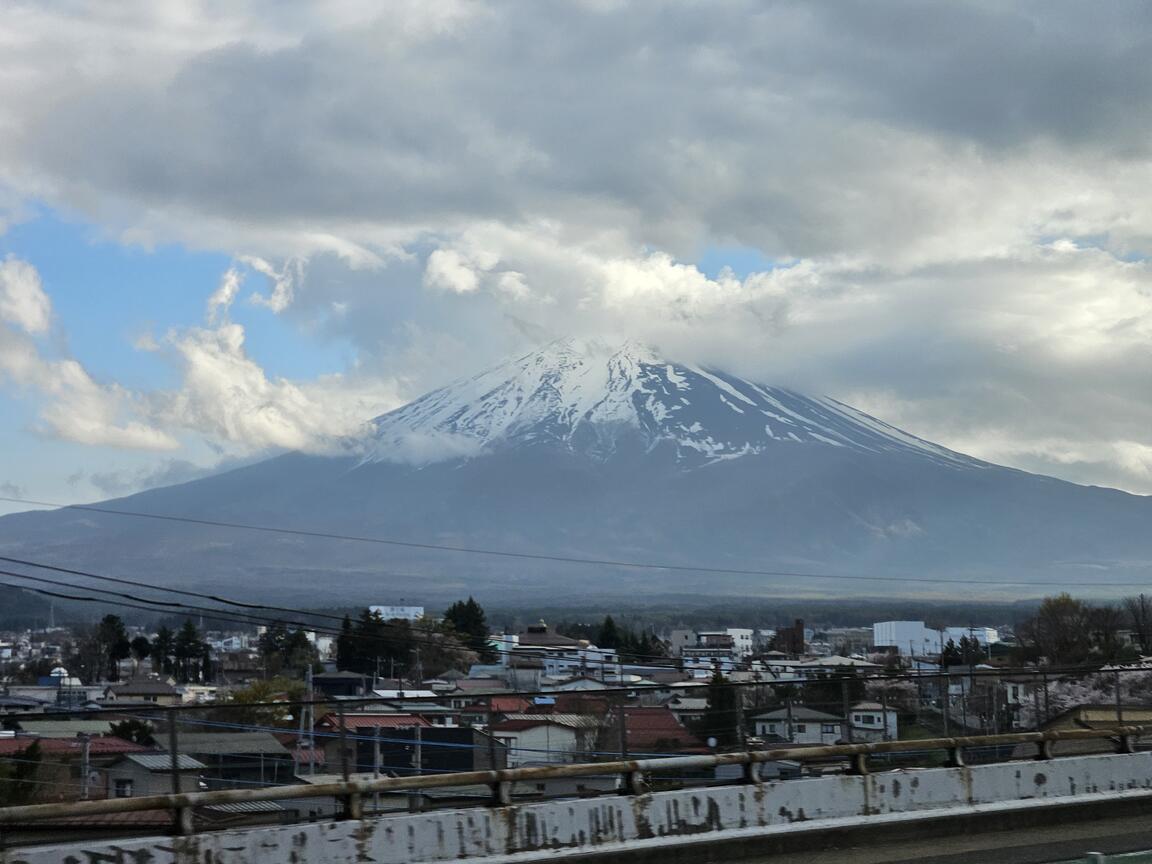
{"x":1041,"y":845}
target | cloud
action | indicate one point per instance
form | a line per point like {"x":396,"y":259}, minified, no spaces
{"x":22,"y":298}
{"x":954,"y":201}
{"x":224,"y":295}
{"x":73,"y":406}
{"x":283,"y":282}
{"x":227,"y":397}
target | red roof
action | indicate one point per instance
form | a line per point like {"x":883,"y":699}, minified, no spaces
{"x":306,"y":755}
{"x":574,"y":702}
{"x":653,"y":730}
{"x":360,"y":722}
{"x":502,"y":705}
{"x":98,"y":745}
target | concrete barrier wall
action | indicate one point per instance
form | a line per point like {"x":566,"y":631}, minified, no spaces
{"x":562,"y":828}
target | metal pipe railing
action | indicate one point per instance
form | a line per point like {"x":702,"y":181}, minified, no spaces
{"x":632,"y":771}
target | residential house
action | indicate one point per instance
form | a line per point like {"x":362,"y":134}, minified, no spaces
{"x":871,"y":721}
{"x":586,"y":729}
{"x":799,"y":725}
{"x":359,"y":726}
{"x":61,"y":774}
{"x":688,"y":709}
{"x":653,"y":732}
{"x":135,"y":775}
{"x":337,"y":684}
{"x":536,"y":740}
{"x":236,"y":758}
{"x":151,"y":688}
{"x":428,"y":749}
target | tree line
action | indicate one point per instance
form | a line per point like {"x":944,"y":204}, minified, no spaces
{"x":1068,"y":631}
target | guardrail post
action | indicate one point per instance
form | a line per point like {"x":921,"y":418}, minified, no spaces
{"x":501,"y":793}
{"x":752,"y":772}
{"x":182,"y":824}
{"x":353,"y":807}
{"x":634,"y":783}
{"x":859,"y":763}
{"x":955,"y":757}
{"x":1126,"y":743}
{"x":1044,"y":749}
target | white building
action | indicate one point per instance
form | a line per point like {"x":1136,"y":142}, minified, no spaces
{"x":907,"y":637}
{"x":871,"y":722}
{"x":398,"y":613}
{"x":535,"y":741}
{"x":800,"y":725}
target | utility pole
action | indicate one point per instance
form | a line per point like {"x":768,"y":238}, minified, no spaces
{"x":847,"y":708}
{"x":741,"y":734}
{"x":85,"y":763}
{"x":491,"y":739}
{"x":1119,"y":704}
{"x":418,"y":767}
{"x":622,"y":730}
{"x":376,"y":767}
{"x":311,"y":724}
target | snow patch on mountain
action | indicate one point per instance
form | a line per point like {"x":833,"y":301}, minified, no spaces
{"x":588,"y":397}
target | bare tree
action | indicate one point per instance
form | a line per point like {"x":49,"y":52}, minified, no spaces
{"x":1106,"y":623}
{"x":1139,"y":609}
{"x":1061,"y":630}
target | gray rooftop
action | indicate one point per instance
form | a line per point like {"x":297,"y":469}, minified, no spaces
{"x":801,"y":713}
{"x":223,"y":743}
{"x":163,"y":762}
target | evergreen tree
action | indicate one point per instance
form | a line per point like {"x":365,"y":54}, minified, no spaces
{"x":134,"y":730}
{"x":112,"y":639}
{"x":951,"y":655}
{"x":720,"y":720}
{"x":609,"y":635}
{"x":188,"y":652}
{"x":141,"y":649}
{"x":345,"y":646}
{"x":467,"y":619}
{"x":162,"y":651}
{"x":375,"y":646}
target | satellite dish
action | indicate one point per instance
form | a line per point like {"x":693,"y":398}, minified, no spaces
{"x":93,"y":778}
{"x":712,"y":742}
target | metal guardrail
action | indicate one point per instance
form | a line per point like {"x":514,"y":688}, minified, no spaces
{"x":631,"y":771}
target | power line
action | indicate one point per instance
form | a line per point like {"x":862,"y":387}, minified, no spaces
{"x":258,"y":619}
{"x":539,"y":556}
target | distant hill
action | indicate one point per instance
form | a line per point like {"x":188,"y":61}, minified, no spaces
{"x":614,"y":453}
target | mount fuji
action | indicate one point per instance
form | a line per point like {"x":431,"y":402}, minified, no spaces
{"x":581,"y":450}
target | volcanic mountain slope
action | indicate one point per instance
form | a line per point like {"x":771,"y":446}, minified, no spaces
{"x":577,"y":450}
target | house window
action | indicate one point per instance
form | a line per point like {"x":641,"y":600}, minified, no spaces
{"x":771,"y":728}
{"x":123,"y":788}
{"x":828,"y":728}
{"x":800,"y":727}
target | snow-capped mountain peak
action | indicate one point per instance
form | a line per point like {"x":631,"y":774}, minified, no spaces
{"x":589,"y":397}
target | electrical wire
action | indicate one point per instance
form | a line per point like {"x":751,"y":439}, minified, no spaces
{"x":534,"y":556}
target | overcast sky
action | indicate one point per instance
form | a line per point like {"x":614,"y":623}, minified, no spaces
{"x":230,"y":228}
